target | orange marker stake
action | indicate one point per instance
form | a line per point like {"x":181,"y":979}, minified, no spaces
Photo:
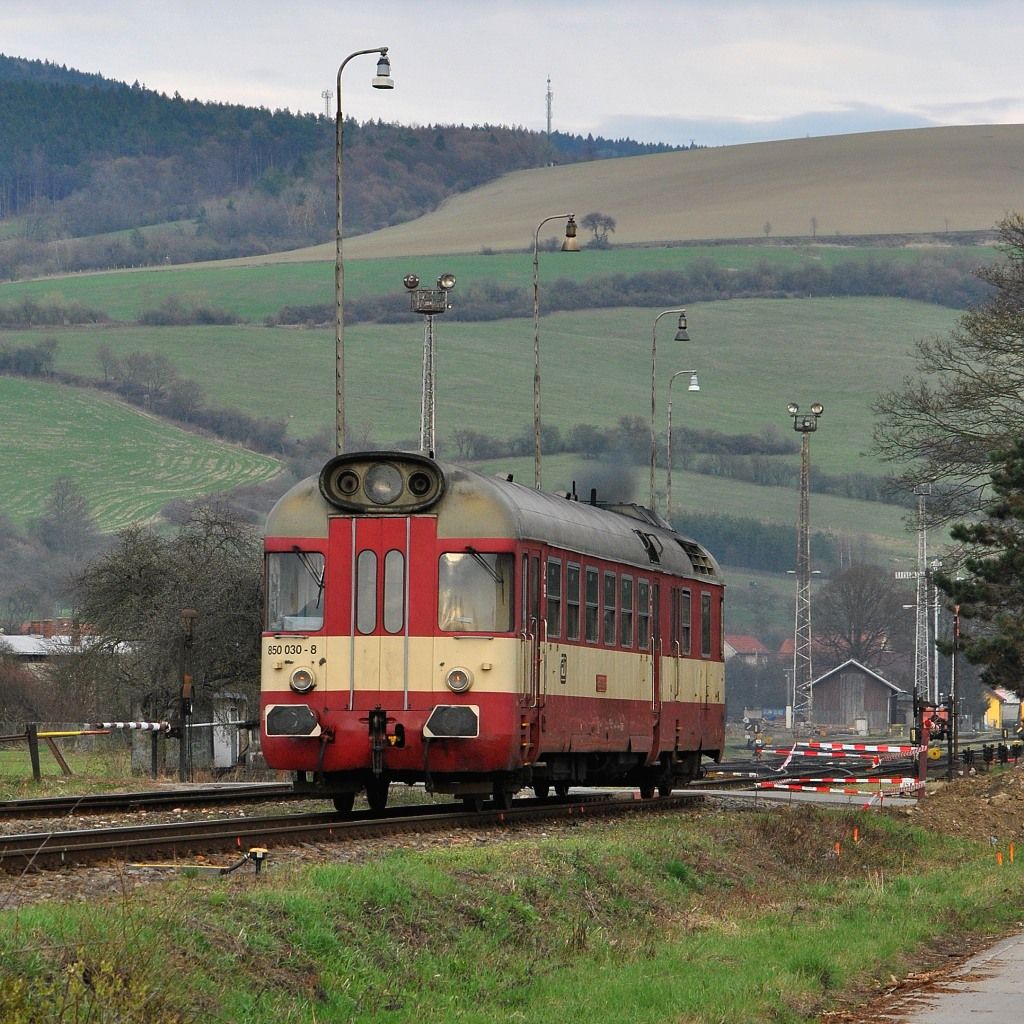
{"x":838,"y":848}
{"x":1011,"y":852}
{"x":999,"y":857}
{"x":856,"y":834}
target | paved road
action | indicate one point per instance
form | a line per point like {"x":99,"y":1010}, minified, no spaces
{"x":988,"y":987}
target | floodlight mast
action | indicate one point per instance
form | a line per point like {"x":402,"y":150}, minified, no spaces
{"x":802,"y":646}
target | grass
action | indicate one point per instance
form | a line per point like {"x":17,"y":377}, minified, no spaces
{"x":731,"y":916}
{"x":128,"y":465}
{"x":102,"y":767}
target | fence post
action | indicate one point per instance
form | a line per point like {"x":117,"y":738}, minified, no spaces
{"x":32,"y":734}
{"x":154,"y":739}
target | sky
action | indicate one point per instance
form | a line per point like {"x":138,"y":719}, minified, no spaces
{"x":715,"y":72}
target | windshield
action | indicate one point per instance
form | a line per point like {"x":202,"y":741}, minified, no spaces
{"x":295,"y":591}
{"x":475,"y":593}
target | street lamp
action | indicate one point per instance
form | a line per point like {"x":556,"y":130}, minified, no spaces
{"x":428,"y":302}
{"x":694,"y":386}
{"x":569,"y":245}
{"x":681,"y":335}
{"x":805,"y":425}
{"x":382,"y":80}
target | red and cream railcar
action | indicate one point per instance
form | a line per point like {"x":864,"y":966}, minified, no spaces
{"x":425,"y":623}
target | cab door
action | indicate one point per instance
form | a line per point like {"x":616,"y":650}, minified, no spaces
{"x":382,"y":616}
{"x":531,"y":625}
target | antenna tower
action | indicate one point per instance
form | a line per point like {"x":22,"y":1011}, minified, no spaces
{"x":326,"y":95}
{"x":550,"y":97}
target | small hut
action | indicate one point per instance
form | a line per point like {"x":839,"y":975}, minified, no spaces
{"x":853,"y":696}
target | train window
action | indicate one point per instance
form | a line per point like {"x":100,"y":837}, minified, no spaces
{"x":593,"y":607}
{"x":626,"y":611}
{"x":609,"y":609}
{"x":554,"y":605}
{"x":524,"y":611}
{"x":705,"y":625}
{"x":535,"y":593}
{"x":295,"y":591}
{"x":474,"y":592}
{"x":643,"y":615}
{"x":682,"y":621}
{"x":572,"y":602}
{"x":366,"y":591}
{"x":394,"y":591}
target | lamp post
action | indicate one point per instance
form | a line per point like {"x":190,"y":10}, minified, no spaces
{"x":681,"y":335}
{"x":428,"y":302}
{"x":382,"y":80}
{"x":802,"y":670}
{"x":569,"y":245}
{"x":694,"y":386}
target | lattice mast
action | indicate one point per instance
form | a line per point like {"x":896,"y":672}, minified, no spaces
{"x":922,"y":653}
{"x":803,"y":671}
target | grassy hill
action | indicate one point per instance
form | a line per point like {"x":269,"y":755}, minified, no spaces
{"x":753,"y":355}
{"x":128,"y":465}
{"x":922,"y":181}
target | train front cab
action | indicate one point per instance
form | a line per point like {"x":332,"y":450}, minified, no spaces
{"x":412,"y":673}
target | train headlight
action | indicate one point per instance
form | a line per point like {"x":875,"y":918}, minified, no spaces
{"x":383,"y":484}
{"x":459,"y":680}
{"x":302,"y":680}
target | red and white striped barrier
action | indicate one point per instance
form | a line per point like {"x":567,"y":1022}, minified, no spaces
{"x":873,"y":752}
{"x":848,"y":790}
{"x":869,"y":748}
{"x":142,"y":726}
{"x":869,"y":780}
{"x":836,"y":755}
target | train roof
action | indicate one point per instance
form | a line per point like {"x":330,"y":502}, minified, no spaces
{"x":476,"y":505}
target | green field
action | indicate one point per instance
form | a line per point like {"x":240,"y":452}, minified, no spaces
{"x":254,"y":292}
{"x":128,"y":464}
{"x":753,"y":355}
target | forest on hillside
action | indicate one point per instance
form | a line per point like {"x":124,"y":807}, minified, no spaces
{"x":84,"y":156}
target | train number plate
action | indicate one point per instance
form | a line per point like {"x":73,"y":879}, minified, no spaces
{"x":292,"y":648}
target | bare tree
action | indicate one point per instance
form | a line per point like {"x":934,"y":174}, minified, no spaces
{"x":967,"y":399}
{"x":859,"y":614}
{"x":133,"y":597}
{"x":601,"y":225}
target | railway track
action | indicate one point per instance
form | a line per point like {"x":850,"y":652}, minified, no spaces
{"x":51,"y":850}
{"x":99,"y":803}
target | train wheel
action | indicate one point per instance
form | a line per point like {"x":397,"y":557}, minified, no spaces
{"x":377,"y":794}
{"x":541,"y":790}
{"x":561,"y":790}
{"x":665,"y":787}
{"x":343,"y":802}
{"x":473,"y":803}
{"x":646,"y":790}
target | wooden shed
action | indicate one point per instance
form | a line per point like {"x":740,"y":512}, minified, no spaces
{"x":851,"y":696}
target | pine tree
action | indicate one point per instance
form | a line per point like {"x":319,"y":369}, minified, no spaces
{"x":988,"y":585}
